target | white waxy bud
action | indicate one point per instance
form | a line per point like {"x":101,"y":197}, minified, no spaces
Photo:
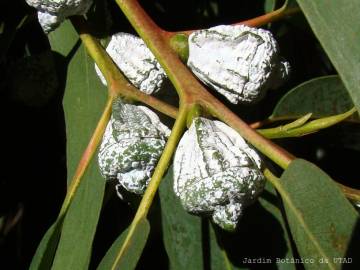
{"x":132,"y":144}
{"x":216,"y":172}
{"x":240,"y":62}
{"x":53,"y":12}
{"x":136,"y":61}
{"x":48,"y":21}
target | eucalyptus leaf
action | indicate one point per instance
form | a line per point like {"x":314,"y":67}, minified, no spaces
{"x":80,"y":223}
{"x":111,"y":253}
{"x":63,"y":39}
{"x":84,"y":100}
{"x":44,"y":255}
{"x":181,"y":231}
{"x":322,"y":96}
{"x":132,"y":252}
{"x":333,"y":23}
{"x":85,"y":96}
{"x":269,"y":5}
{"x":323,"y":222}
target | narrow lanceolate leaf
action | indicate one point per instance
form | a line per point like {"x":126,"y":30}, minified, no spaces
{"x":322,"y":221}
{"x":333,"y":24}
{"x":322,"y":96}
{"x":80,"y":223}
{"x":84,"y":100}
{"x":181,"y":231}
{"x":111,"y":253}
{"x":131,"y":253}
{"x":85,"y":96}
{"x":45,"y":252}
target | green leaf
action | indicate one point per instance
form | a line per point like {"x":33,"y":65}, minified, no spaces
{"x":80,"y":223}
{"x":321,"y":219}
{"x":63,"y":39}
{"x":44,"y":255}
{"x":84,"y":100}
{"x":321,"y":96}
{"x":133,"y":251}
{"x":269,"y":5}
{"x":333,"y":23}
{"x":181,"y":231}
{"x":106,"y":261}
{"x":218,"y":256}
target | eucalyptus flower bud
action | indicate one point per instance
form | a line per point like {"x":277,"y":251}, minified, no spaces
{"x":53,"y":12}
{"x":132,"y":144}
{"x":216,"y":172}
{"x":136,"y":61}
{"x":240,"y":62}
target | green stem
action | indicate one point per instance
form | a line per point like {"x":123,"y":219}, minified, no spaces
{"x":195,"y":111}
{"x":87,"y":156}
{"x":350,"y":193}
{"x":117,"y":83}
{"x":191,"y":92}
{"x":188,"y":87}
{"x":271,"y":16}
{"x":277,"y":154}
{"x":182,"y":79}
{"x":297,"y":123}
{"x":112,"y":75}
{"x":164,"y":162}
{"x":296,"y":129}
{"x":179,"y":40}
{"x":159,"y":172}
{"x":104,"y":62}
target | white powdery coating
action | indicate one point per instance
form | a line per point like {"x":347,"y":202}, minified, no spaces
{"x":238,"y":61}
{"x":53,"y":12}
{"x":155,"y":120}
{"x":48,"y":21}
{"x":136,"y":61}
{"x":216,"y":172}
{"x":132,"y":144}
